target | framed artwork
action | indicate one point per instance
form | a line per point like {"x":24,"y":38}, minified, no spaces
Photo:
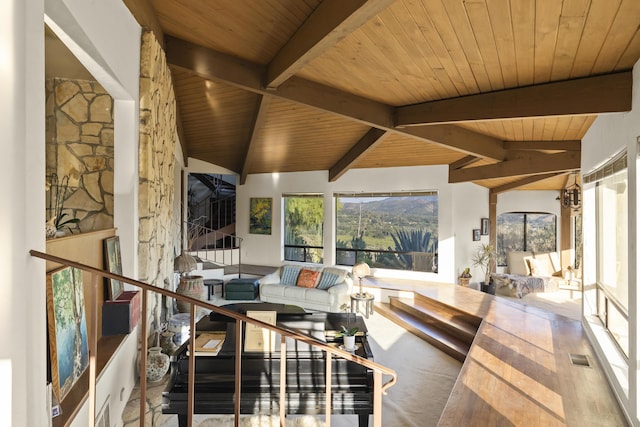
{"x":476,"y":234}
{"x":484,"y":226}
{"x":113,"y":264}
{"x":260,"y":215}
{"x":67,"y":325}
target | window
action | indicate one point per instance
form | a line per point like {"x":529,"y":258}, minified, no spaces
{"x":525,"y":231}
{"x":611,"y":214}
{"x":303,"y":227}
{"x":395,"y":231}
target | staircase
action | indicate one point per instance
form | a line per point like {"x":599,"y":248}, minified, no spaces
{"x":445,"y":327}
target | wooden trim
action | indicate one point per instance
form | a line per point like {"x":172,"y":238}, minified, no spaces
{"x":330,"y":22}
{"x":213,"y":65}
{"x":609,"y":93}
{"x":528,"y":165}
{"x":493,"y":226}
{"x":574,"y":145}
{"x":365,"y":144}
{"x":521,"y":182}
{"x":262,"y":109}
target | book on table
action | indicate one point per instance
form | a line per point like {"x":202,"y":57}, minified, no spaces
{"x":209,"y":343}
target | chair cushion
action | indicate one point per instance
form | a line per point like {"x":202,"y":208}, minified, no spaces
{"x":307,"y":278}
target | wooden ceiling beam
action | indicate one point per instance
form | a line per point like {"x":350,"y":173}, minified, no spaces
{"x":373,"y":137}
{"x":609,"y":93}
{"x":212,"y":65}
{"x":522,"y":182}
{"x":329,"y":23}
{"x":262,"y":108}
{"x":574,"y":145}
{"x":465,"y":161}
{"x":526,"y":165}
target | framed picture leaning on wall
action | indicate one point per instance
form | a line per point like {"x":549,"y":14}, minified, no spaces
{"x":67,"y":325}
{"x":113,"y":264}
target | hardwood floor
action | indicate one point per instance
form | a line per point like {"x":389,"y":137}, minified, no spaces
{"x":518,"y":371}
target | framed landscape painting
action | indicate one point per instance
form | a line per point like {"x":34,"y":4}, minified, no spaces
{"x":67,"y":325}
{"x":113,"y":264}
{"x":260,"y":215}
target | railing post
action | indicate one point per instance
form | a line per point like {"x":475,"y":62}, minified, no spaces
{"x":143,"y":356}
{"x":377,"y":398}
{"x":328,"y":398}
{"x":238,"y":376}
{"x":192,"y":365}
{"x":93,"y":348}
{"x":283,"y":378}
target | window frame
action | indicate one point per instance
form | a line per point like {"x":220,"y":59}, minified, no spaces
{"x":524,"y":233}
{"x":308,"y":251}
{"x":430,"y":259}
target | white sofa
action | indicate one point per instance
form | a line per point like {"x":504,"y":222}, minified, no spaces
{"x":325,"y":289}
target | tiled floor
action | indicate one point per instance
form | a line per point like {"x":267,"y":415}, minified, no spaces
{"x":154,"y":416}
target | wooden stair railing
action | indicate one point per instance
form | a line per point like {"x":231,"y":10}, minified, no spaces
{"x":379,"y":388}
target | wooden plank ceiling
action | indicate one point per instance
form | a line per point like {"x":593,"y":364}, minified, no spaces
{"x":501,"y":90}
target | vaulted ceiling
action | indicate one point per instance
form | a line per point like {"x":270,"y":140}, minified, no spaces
{"x":502,"y":91}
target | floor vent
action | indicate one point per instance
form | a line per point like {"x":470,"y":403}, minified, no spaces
{"x":580,"y":360}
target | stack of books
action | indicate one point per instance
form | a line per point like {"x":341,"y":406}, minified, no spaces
{"x":209,"y":343}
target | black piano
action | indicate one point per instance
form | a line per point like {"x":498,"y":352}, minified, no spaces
{"x":352,"y":384}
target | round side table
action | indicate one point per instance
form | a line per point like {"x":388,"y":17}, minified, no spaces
{"x":365,"y":298}
{"x":211,"y":284}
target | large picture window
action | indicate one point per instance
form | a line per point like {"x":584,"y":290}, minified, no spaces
{"x":611,"y":214}
{"x":395,"y":231}
{"x":525,"y":231}
{"x":303,"y":227}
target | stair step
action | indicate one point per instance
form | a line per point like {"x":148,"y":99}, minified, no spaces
{"x":448,"y":310}
{"x":437,"y":318}
{"x":437,"y":337}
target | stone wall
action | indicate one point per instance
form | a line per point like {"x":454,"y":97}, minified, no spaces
{"x":159,"y":229}
{"x":79,"y":144}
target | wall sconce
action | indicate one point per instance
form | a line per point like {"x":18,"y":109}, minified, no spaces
{"x":570,"y":196}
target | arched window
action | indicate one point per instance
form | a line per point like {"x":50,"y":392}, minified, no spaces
{"x":525,"y":231}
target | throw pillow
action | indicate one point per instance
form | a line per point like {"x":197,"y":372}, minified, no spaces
{"x":538,"y":268}
{"x":307,"y":278}
{"x":290,"y":275}
{"x":328,"y":280}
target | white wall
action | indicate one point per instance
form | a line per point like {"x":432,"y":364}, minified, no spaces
{"x":22,"y":210}
{"x":470,"y":205}
{"x":460,"y":208}
{"x":90,"y":25}
{"x":608,"y":135}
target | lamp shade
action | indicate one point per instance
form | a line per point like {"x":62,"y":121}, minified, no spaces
{"x":184,"y":263}
{"x":361,"y":270}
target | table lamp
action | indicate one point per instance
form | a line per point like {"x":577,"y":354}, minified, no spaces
{"x":361,"y":270}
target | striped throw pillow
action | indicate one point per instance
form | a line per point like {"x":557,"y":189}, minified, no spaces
{"x":290,"y":275}
{"x":327,"y":280}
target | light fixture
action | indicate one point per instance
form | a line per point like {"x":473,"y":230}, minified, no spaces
{"x":570,"y":197}
{"x":360,"y":271}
